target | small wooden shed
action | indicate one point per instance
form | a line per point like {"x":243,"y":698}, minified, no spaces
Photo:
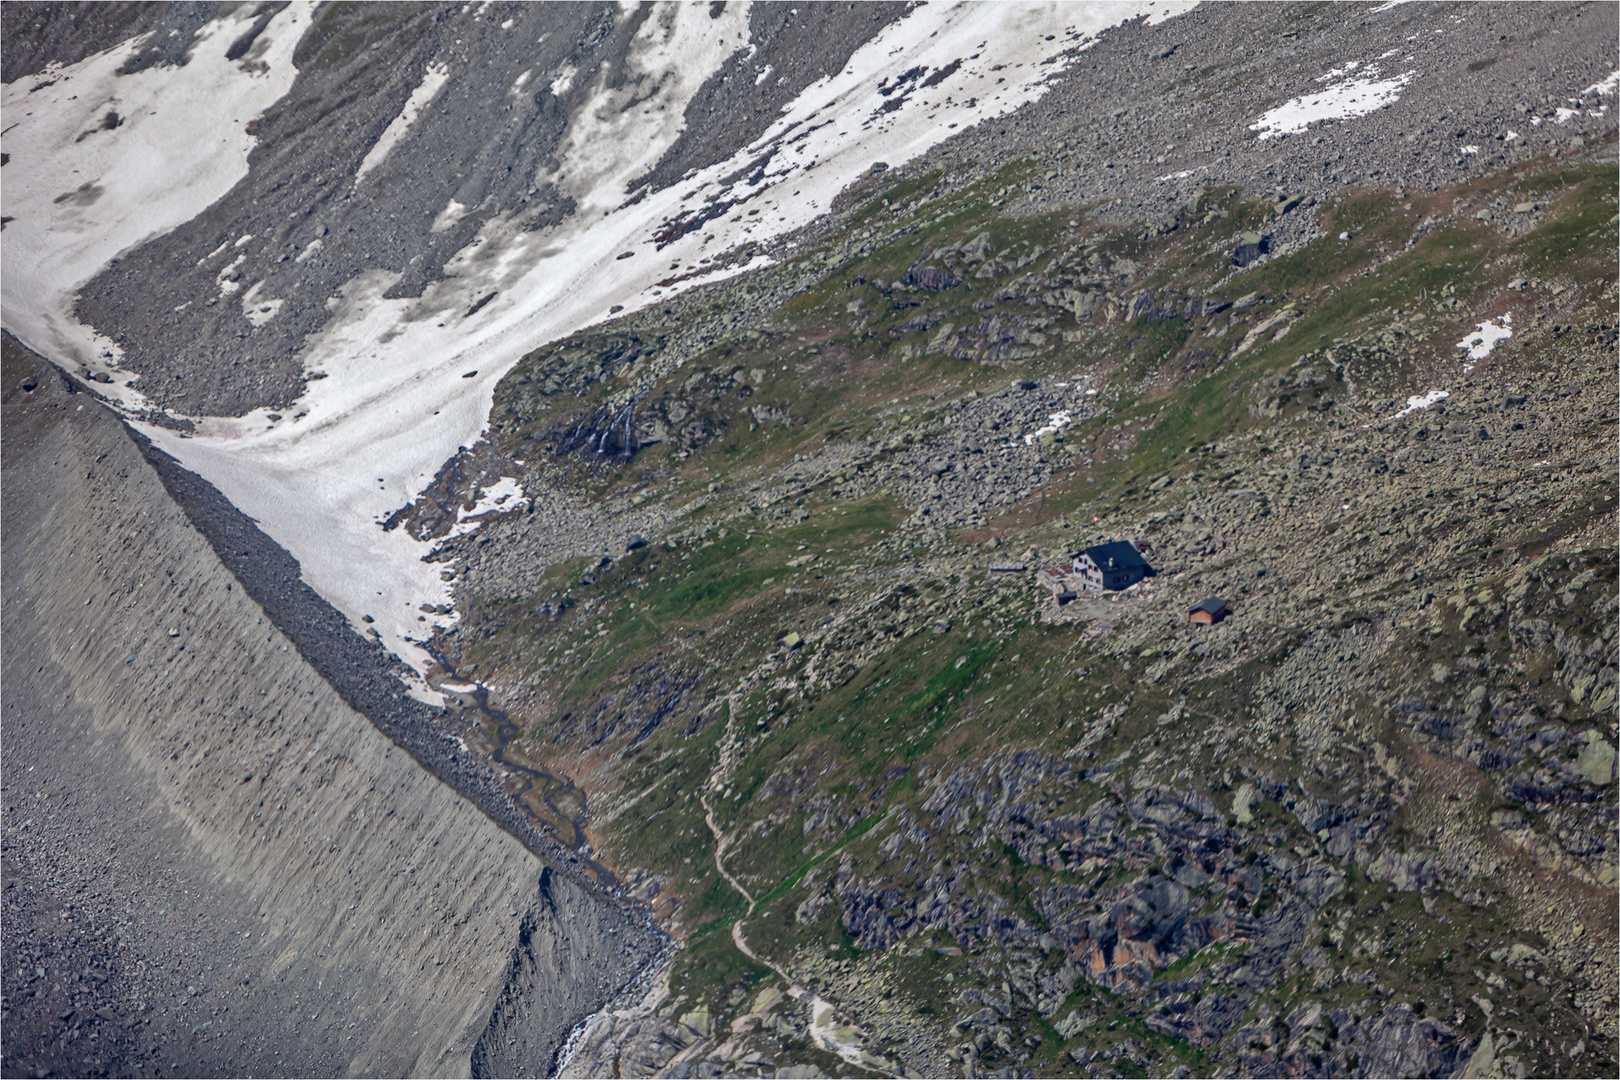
{"x":1210,"y":611}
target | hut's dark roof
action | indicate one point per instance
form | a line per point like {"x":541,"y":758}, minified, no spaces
{"x":1122,"y":552}
{"x":1214,"y":605}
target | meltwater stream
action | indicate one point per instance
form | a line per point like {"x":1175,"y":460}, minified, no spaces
{"x":554,"y":803}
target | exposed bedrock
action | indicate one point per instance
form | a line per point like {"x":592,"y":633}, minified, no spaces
{"x":213,"y":864}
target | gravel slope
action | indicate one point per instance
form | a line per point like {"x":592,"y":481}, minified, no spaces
{"x":213,"y":865}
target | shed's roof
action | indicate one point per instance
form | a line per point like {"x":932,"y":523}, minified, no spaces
{"x":1214,"y":605}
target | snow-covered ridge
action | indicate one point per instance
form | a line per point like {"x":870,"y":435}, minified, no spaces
{"x":398,"y":399}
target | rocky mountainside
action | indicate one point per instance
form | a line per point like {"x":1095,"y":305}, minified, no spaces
{"x":672,"y":429}
{"x":1002,"y":833}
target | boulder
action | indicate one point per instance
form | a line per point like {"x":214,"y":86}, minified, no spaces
{"x":1250,"y":246}
{"x":932,"y":278}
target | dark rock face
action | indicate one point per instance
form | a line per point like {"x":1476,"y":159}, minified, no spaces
{"x":1119,"y":937}
{"x":1122,"y":938}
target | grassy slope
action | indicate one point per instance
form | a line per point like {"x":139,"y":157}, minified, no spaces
{"x":916,"y":667}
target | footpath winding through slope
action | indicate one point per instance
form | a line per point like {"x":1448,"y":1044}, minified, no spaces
{"x":213,"y":864}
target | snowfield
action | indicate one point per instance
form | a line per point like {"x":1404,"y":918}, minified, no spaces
{"x":80,"y":193}
{"x":395,"y":404}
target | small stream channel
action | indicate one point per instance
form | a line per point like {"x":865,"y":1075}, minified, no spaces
{"x":553,"y":802}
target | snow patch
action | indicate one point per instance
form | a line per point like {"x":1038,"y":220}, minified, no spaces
{"x":428,"y":89}
{"x":1484,"y":338}
{"x":452,"y":213}
{"x":417,"y":687}
{"x":226,"y":285}
{"x":1338,"y":72}
{"x":1604,"y":88}
{"x":1343,"y":100}
{"x":504,"y":495}
{"x":564,"y":80}
{"x":259,"y":310}
{"x":211,"y":254}
{"x":1054,"y":424}
{"x":1416,"y":402}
